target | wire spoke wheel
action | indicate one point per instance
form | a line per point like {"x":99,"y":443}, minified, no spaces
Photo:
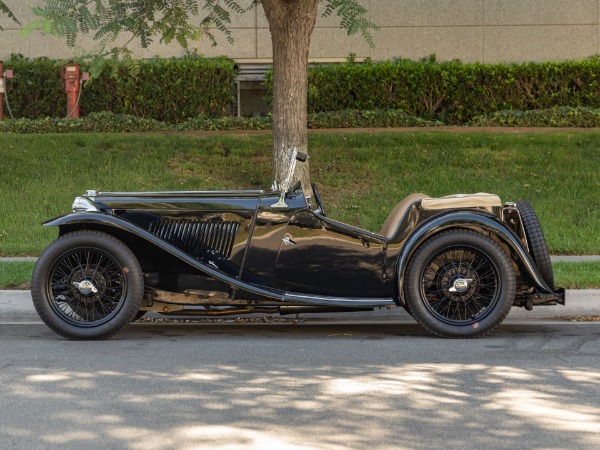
{"x":86,"y":286}
{"x":459,"y":284}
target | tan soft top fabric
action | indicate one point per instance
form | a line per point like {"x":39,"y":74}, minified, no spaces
{"x":393,"y":220}
{"x":478,"y":200}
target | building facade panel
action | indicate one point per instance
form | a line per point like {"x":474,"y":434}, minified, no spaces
{"x":464,"y":43}
{"x":540,"y":43}
{"x":244,"y":46}
{"x":12,"y":42}
{"x":56,"y":48}
{"x":470,"y":30}
{"x":331,"y":43}
{"x":427,"y":13}
{"x":21,"y":9}
{"x":541,"y":12}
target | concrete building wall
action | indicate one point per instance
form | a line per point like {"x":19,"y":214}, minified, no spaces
{"x":470,"y":30}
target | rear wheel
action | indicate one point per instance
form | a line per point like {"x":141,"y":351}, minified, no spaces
{"x":87,"y":285}
{"x":460,"y":284}
{"x":536,"y":241}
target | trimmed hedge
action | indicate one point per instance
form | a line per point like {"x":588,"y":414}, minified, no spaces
{"x":105,"y":122}
{"x":553,"y":117}
{"x":371,"y":119}
{"x":453,"y":92}
{"x":102,"y":122}
{"x":169,"y":90}
{"x":391,"y":93}
{"x":35,"y":91}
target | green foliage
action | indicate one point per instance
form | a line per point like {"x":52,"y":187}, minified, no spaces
{"x":203,"y":123}
{"x":363,"y":119}
{"x":35,"y":90}
{"x":170,"y":90}
{"x":106,"y":122}
{"x":353,"y":18}
{"x":16,"y":274}
{"x":167,"y":21}
{"x":166,"y":90}
{"x":143,"y":19}
{"x":453,"y":92}
{"x":102,"y":122}
{"x":564,"y":116}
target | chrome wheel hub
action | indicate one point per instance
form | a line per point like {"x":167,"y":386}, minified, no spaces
{"x":86,"y":287}
{"x":460,"y":285}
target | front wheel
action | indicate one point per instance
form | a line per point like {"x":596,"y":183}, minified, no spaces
{"x":87,"y":285}
{"x":460,"y":284}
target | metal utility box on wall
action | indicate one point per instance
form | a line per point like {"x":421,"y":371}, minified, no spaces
{"x":251,"y":90}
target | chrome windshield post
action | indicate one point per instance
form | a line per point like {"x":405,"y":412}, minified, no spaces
{"x":285,"y":184}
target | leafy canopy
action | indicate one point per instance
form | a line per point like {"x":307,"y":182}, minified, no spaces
{"x":167,"y":20}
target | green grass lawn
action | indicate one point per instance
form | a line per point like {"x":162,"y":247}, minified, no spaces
{"x":570,"y":275}
{"x":361,"y":176}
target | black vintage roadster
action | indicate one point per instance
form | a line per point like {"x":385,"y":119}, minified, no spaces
{"x":457,"y":264}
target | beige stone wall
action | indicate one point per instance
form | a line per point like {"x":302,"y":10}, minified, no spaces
{"x":470,"y":30}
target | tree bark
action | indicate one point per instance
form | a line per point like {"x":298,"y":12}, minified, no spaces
{"x":291,"y":23}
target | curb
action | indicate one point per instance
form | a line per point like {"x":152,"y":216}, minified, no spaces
{"x":16,"y":307}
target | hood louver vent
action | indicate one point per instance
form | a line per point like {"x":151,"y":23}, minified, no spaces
{"x":198,"y":238}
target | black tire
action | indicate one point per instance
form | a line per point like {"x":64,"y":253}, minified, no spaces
{"x":536,"y":241}
{"x":87,"y":285}
{"x":459,"y":284}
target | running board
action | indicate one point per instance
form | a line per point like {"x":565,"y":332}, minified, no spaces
{"x":351,"y":302}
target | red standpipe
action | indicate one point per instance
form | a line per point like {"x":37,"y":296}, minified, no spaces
{"x":72,"y":84}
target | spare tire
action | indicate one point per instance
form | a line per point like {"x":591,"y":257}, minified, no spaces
{"x":536,"y":241}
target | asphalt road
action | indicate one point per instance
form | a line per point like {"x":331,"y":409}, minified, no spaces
{"x":533,"y":384}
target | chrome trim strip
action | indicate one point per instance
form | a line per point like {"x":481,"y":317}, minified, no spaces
{"x":338,"y":301}
{"x":239,"y":193}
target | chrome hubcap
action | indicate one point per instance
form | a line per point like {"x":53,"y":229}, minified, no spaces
{"x":460,"y":285}
{"x":86,"y":287}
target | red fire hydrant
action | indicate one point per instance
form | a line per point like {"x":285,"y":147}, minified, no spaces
{"x":72,"y":83}
{"x":3,"y":77}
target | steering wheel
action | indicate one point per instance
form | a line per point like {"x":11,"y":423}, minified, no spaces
{"x":318,"y":199}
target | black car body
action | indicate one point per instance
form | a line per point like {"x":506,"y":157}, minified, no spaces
{"x":121,"y":254}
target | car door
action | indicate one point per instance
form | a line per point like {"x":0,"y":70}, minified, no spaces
{"x":318,"y":255}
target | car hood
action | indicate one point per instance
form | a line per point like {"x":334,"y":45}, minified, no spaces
{"x":171,"y":200}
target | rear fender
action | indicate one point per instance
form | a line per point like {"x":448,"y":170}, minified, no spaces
{"x":469,"y":220}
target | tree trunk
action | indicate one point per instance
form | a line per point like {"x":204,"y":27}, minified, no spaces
{"x":291,"y":23}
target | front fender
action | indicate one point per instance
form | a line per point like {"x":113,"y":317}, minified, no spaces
{"x":86,"y":220}
{"x":466,"y":219}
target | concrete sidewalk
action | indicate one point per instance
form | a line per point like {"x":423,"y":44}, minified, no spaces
{"x":16,"y":306}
